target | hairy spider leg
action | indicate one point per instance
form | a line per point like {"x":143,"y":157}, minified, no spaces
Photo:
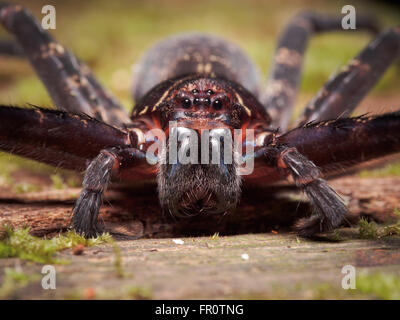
{"x":282,"y":85}
{"x":108,"y":163}
{"x":69,"y":82}
{"x":76,"y":142}
{"x":56,"y":137}
{"x":324,"y":147}
{"x":344,"y":91}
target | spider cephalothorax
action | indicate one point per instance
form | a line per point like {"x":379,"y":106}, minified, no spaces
{"x":189,"y":89}
{"x":205,"y":106}
{"x":199,"y":102}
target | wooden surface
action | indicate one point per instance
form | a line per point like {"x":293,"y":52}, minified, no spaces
{"x":280,"y":265}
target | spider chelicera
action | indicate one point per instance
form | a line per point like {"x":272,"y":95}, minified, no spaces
{"x":203,"y":82}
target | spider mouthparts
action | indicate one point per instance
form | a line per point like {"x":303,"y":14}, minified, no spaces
{"x":200,"y":203}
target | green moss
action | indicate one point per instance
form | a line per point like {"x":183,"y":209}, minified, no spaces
{"x":393,"y":229}
{"x":382,"y":286}
{"x":19,"y":243}
{"x":367,"y":230}
{"x":335,"y":236}
{"x":370,"y":230}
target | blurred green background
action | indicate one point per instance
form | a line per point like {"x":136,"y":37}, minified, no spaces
{"x":111,"y":35}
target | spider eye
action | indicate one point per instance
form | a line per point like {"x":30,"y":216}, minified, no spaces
{"x":186,"y":103}
{"x":207,"y":101}
{"x":210,"y":92}
{"x":217,"y":104}
{"x":196,"y":101}
{"x":194,"y":91}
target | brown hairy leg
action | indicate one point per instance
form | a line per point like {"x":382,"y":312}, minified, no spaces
{"x":69,"y":82}
{"x":282,"y":85}
{"x":307,"y":152}
{"x":343,"y":92}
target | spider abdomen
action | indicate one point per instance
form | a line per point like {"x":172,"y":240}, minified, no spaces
{"x":194,"y":53}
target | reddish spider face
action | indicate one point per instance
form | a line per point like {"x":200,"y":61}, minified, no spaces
{"x":205,"y":104}
{"x":199,"y":171}
{"x":200,"y":185}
